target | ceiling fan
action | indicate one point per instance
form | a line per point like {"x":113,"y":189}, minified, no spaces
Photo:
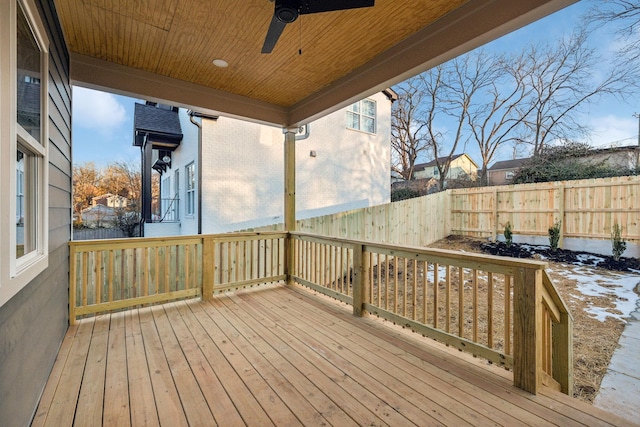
{"x":287,"y":11}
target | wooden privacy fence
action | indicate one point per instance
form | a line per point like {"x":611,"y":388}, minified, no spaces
{"x":504,"y":310}
{"x":114,"y":274}
{"x":585,"y":209}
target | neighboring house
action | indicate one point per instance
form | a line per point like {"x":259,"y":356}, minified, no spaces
{"x":461,"y":167}
{"x":615,"y":157}
{"x":502,"y":172}
{"x":110,"y":200}
{"x":99,"y":215}
{"x":236,"y":182}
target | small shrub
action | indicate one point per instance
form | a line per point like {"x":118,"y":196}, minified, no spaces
{"x":403,"y":194}
{"x":554,"y":236}
{"x":508,"y":235}
{"x":617,"y":242}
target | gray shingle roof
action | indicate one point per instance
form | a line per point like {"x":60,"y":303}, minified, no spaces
{"x":508,"y":164}
{"x":148,"y":118}
{"x":441,"y":160}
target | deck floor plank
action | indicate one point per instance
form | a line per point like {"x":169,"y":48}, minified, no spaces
{"x":141,"y":399}
{"x":360,"y":389}
{"x":193,"y":402}
{"x":224,"y":411}
{"x":116,"y":386}
{"x":48,"y":394}
{"x":280,"y":355}
{"x":319,"y":408}
{"x":89,"y":411}
{"x":470,"y":373}
{"x":170,"y":411}
{"x":261,"y":389}
{"x":410,"y":381}
{"x":247,"y":405}
{"x":441,"y":380}
{"x":64,"y":403}
{"x":316,"y":373}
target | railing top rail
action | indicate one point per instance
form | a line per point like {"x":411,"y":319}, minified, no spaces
{"x":555,"y":296}
{"x":454,"y":256}
{"x":105,"y":244}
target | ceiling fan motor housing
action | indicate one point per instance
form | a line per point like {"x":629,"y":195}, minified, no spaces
{"x":287,"y":11}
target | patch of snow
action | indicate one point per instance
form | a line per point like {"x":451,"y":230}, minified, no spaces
{"x":620,"y":285}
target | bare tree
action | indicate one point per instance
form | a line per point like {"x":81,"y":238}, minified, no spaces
{"x":408,"y":137}
{"x":563,"y":78}
{"x":496,"y":121}
{"x":626,"y":15}
{"x":451,"y":90}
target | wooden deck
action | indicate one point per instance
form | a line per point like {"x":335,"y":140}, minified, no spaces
{"x":281,"y":356}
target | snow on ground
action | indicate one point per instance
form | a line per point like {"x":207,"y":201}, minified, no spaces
{"x":594,"y":283}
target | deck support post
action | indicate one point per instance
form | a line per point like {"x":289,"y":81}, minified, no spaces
{"x":527,"y":329}
{"x":208,"y":256}
{"x":360,"y":280}
{"x":289,"y":198}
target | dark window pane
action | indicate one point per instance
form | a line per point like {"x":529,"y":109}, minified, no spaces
{"x":29,"y":77}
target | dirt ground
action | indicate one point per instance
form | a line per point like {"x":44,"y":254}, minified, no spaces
{"x":593,"y":341}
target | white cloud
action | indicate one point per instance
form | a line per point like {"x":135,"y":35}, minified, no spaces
{"x":612,"y":130}
{"x":95,"y":110}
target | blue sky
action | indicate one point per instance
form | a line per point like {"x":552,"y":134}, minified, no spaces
{"x":103,"y":122}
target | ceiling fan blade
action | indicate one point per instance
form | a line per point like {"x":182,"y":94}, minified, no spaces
{"x":273,"y":34}
{"x":317,"y":6}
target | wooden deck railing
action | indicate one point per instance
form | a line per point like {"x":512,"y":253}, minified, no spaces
{"x":113,"y":274}
{"x":501,"y":309}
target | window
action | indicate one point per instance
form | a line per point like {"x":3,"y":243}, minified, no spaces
{"x":165,"y":199}
{"x":508,"y":175}
{"x":362,"y":116}
{"x":190,"y":179}
{"x":24,"y":142}
{"x":176,"y":194}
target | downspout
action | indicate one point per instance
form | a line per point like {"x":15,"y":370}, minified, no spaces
{"x":199,"y":126}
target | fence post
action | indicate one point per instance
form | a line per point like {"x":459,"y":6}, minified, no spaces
{"x":563,"y":223}
{"x":360,"y":280}
{"x":494,"y":194}
{"x":527,"y":329}
{"x":208,"y":260}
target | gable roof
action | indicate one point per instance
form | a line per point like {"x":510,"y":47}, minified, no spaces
{"x":508,"y":164}
{"x":432,"y":163}
{"x":158,"y":123}
{"x":164,"y":50}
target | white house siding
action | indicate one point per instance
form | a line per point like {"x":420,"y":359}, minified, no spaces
{"x":242,"y":182}
{"x":243,"y":170}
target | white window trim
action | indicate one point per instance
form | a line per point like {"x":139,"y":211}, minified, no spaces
{"x":375,"y":117}
{"x":15,"y":274}
{"x":190,"y":210}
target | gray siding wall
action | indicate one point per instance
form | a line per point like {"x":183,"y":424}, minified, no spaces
{"x":33,"y":322}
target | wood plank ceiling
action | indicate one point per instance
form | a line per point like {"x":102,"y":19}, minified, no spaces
{"x":175,"y":41}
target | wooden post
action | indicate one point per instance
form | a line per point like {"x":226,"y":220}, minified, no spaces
{"x":561,"y":216}
{"x":360,"y":280}
{"x":289,"y":199}
{"x":527,"y":329}
{"x":494,"y":234}
{"x":562,"y":359}
{"x":208,"y":262}
{"x":72,"y":284}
